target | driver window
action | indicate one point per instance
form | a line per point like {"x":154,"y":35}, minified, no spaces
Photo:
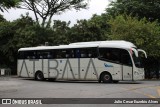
{"x":110,"y":54}
{"x":125,"y":58}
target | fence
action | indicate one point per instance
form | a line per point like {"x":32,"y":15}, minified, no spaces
{"x":5,"y":73}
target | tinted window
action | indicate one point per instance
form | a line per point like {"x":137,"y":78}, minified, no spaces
{"x":126,"y":59}
{"x":28,"y":55}
{"x":21,"y":55}
{"x":76,"y":53}
{"x":86,"y":53}
{"x":59,"y":53}
{"x":45,"y":54}
{"x":111,"y":54}
{"x":92,"y":53}
{"x":116,"y":55}
{"x":137,"y":61}
{"x":40,"y":54}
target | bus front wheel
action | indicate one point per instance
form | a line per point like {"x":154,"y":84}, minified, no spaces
{"x":106,"y":78}
{"x":39,"y":76}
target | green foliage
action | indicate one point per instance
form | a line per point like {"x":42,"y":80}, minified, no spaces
{"x":2,"y":18}
{"x":22,"y":32}
{"x":137,"y":28}
{"x":142,"y":33}
{"x":93,"y":29}
{"x":139,"y":8}
{"x":6,"y":4}
{"x":6,"y":33}
{"x":60,"y":32}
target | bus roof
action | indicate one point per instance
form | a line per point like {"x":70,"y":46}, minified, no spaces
{"x":111,"y":44}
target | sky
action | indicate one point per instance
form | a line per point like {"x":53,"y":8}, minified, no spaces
{"x":95,"y":7}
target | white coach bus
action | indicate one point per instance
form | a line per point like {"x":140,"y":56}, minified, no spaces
{"x":106,"y":61}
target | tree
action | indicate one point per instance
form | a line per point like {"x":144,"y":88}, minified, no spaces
{"x":143,"y":34}
{"x":10,"y":41}
{"x":139,"y":8}
{"x":2,"y":18}
{"x":82,"y":32}
{"x":45,"y":9}
{"x":60,"y":32}
{"x":24,"y":32}
{"x":140,"y":32}
{"x":94,"y":29}
{"x":6,"y":4}
{"x":6,"y":33}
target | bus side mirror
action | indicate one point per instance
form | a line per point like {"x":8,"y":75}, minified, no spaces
{"x":140,"y":50}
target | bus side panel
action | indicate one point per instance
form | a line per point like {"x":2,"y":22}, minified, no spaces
{"x":39,"y":66}
{"x":127,"y":72}
{"x":62,"y":69}
{"x":99,"y":65}
{"x":21,"y":72}
{"x":73,"y":69}
{"x":117,"y":72}
{"x":85,"y":71}
{"x":30,"y":67}
{"x":95,"y":68}
{"x":138,"y":73}
{"x":45,"y":68}
{"x":114,"y":69}
{"x":25,"y":68}
{"x":54,"y":69}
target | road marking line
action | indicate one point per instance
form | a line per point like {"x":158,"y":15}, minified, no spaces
{"x":135,"y":89}
{"x":158,"y":90}
{"x":148,"y":95}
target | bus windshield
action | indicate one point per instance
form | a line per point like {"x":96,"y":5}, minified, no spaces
{"x":137,"y":60}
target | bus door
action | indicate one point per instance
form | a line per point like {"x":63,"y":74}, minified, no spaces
{"x":127,"y":68}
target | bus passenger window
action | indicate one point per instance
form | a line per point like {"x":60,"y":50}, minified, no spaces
{"x":67,"y":55}
{"x":78,"y":55}
{"x":83,"y":55}
{"x":90,"y":55}
{"x":30,"y":55}
{"x":21,"y":55}
{"x":49,"y":56}
{"x":72,"y":53}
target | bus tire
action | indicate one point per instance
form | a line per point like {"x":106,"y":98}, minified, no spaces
{"x":106,"y":78}
{"x":39,"y":76}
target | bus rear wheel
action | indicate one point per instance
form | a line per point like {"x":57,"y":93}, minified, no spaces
{"x":39,"y":76}
{"x":106,"y":78}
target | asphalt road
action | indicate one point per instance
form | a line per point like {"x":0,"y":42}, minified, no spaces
{"x":27,"y":88}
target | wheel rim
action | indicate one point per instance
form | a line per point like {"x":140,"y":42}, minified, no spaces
{"x":39,"y":76}
{"x":107,"y":77}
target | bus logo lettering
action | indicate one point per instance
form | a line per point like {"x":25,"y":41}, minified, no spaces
{"x":107,"y":65}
